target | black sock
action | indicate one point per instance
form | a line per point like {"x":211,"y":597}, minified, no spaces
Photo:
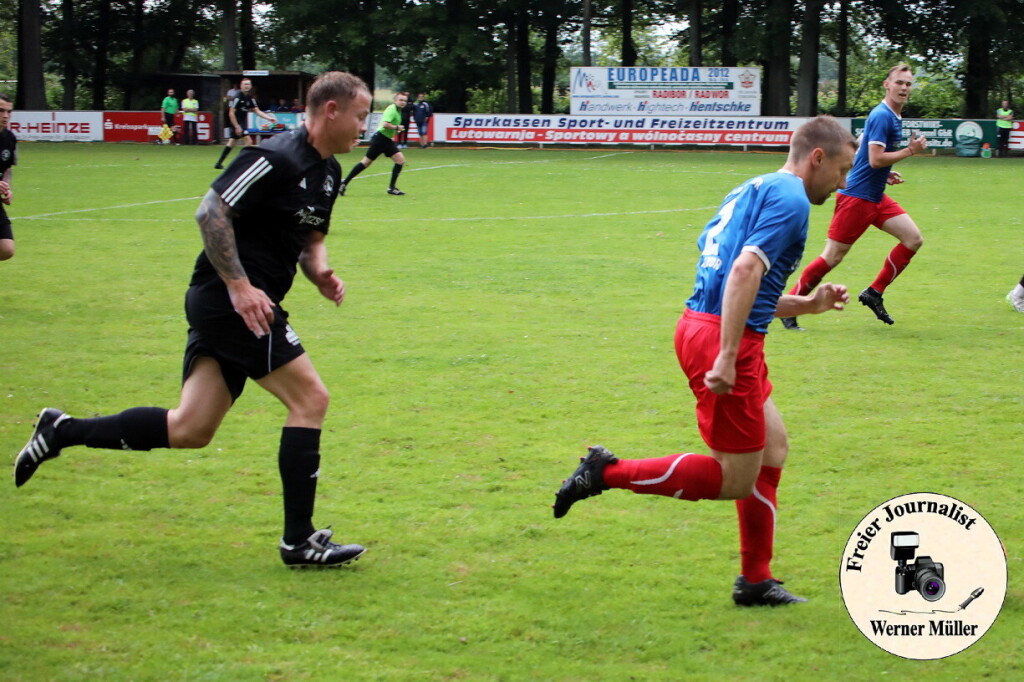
{"x":394,"y":174}
{"x":356,"y":170}
{"x":299,"y":463}
{"x":223,"y":154}
{"x":138,"y":428}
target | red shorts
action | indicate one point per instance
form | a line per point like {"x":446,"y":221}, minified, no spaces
{"x":732,"y":422}
{"x":853,"y":216}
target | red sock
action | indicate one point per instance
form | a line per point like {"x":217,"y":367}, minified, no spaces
{"x":811,"y":277}
{"x":688,"y":476}
{"x":757,"y":525}
{"x":895,"y":263}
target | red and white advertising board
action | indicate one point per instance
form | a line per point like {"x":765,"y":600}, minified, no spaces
{"x":640,"y":130}
{"x":1017,"y":135}
{"x":58,"y":126}
{"x":144,"y":126}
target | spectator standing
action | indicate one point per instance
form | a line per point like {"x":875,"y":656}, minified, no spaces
{"x":169,"y":108}
{"x":1004,"y":124}
{"x":422,"y":113}
{"x":190,"y":117}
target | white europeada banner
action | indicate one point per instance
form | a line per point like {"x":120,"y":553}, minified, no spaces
{"x":665,"y":91}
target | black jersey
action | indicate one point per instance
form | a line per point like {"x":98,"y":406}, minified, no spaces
{"x":8,"y":153}
{"x":243,"y":103}
{"x":281,"y":191}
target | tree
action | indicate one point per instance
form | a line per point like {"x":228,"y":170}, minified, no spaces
{"x":31,"y":92}
{"x":810,"y":45}
{"x":775,"y":53}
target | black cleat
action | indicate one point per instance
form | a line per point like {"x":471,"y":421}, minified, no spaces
{"x":765,"y":593}
{"x":320,"y":552}
{"x":586,"y":481}
{"x":341,"y":189}
{"x":394,"y":191}
{"x":218,"y":166}
{"x":791,"y":323}
{"x":873,"y":300}
{"x":40,"y":447}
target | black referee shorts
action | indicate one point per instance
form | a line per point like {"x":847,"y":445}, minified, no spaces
{"x":381,"y":144}
{"x":217,"y":331}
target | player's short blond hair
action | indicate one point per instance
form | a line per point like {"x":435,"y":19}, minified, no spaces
{"x":821,"y":132}
{"x":339,"y":86}
{"x":902,"y":66}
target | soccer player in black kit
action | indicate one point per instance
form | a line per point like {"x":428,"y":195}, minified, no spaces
{"x":8,"y":157}
{"x":238,"y":112}
{"x":264,"y":216}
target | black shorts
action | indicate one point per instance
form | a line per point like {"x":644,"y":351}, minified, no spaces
{"x":168,"y":120}
{"x":381,"y":144}
{"x":217,"y":331}
{"x":5,"y":225}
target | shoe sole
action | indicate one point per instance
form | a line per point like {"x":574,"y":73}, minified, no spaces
{"x":299,"y":567}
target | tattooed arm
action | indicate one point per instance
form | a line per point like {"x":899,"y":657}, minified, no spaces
{"x":215,"y":219}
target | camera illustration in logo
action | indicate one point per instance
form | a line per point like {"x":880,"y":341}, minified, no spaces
{"x":924,"y":575}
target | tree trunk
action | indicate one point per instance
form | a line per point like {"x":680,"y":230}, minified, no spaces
{"x":31,"y":94}
{"x":138,"y":50}
{"x":99,"y":73}
{"x":69,"y":67}
{"x":978,"y":76}
{"x":810,"y":42}
{"x":696,"y":42}
{"x":775,"y":55}
{"x":550,"y":65}
{"x":247,"y":34}
{"x":730,"y":15}
{"x":510,"y":67}
{"x":524,"y":63}
{"x":229,"y":34}
{"x":843,"y":46}
{"x":587,"y":61}
{"x":628,"y":46}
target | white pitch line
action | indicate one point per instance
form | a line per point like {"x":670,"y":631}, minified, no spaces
{"x":105,"y":208}
{"x":539,"y":217}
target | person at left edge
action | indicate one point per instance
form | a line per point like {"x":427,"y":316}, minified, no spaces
{"x":8,"y":158}
{"x":266,"y":216}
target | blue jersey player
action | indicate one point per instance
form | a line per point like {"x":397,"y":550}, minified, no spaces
{"x":747,"y":251}
{"x":864,"y":202}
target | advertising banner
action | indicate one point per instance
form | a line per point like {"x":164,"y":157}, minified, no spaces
{"x":665,"y":91}
{"x":1017,"y":135}
{"x":941,"y":133}
{"x":58,"y":126}
{"x":640,"y":130}
{"x":144,"y":126}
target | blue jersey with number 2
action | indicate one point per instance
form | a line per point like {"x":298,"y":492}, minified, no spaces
{"x":766,"y":215}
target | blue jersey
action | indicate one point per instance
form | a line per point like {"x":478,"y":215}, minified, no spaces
{"x":767,"y":215}
{"x":884,"y":127}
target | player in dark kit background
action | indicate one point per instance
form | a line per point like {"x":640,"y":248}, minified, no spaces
{"x":8,"y":158}
{"x":238,"y":113}
{"x":264,"y":217}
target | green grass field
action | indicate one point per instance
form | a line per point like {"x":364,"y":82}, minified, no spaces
{"x":515,"y":307}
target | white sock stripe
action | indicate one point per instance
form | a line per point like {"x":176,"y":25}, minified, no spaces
{"x":771,"y":506}
{"x":244,"y":181}
{"x":662,"y":479}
